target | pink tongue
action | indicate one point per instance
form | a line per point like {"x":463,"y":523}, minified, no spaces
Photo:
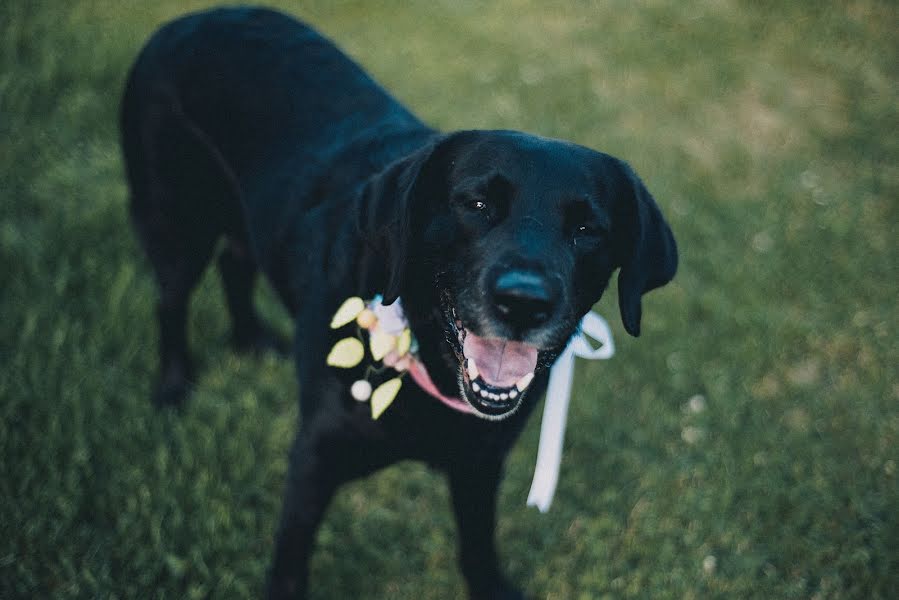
{"x":500,"y":362}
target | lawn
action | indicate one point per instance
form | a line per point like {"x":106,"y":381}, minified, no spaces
{"x":745,"y":446}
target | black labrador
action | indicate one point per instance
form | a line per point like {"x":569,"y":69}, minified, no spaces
{"x":247,"y":125}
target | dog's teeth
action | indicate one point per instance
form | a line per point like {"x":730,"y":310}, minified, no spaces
{"x":513,"y":393}
{"x":475,"y":386}
{"x":524,"y":382}
{"x":504,"y":396}
{"x":484,"y":394}
{"x":472,"y":369}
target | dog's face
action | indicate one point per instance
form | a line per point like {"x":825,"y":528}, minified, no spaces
{"x":509,"y":239}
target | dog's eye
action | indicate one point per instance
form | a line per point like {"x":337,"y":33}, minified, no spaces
{"x":586,"y":235}
{"x":585,"y":229}
{"x":474,"y":208}
{"x":581,"y":222}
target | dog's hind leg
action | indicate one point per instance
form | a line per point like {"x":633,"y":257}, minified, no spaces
{"x":176,"y":281}
{"x":173,"y":209}
{"x":238,"y":271}
{"x":179,"y":255}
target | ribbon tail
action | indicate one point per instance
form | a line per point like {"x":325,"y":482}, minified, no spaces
{"x":552,"y":432}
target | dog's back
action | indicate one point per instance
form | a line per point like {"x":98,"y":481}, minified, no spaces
{"x":250,"y":79}
{"x":220,"y":100}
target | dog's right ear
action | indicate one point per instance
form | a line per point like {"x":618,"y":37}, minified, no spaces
{"x":653,"y":251}
{"x":386,"y":213}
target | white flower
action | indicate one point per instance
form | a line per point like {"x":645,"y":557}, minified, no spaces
{"x":391,"y":319}
{"x":361,"y":390}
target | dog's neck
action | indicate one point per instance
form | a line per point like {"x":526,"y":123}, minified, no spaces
{"x":434,"y":352}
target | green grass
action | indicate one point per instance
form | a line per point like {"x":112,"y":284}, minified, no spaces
{"x":766,"y":130}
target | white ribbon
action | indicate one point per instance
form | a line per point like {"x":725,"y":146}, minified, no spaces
{"x":555,"y":409}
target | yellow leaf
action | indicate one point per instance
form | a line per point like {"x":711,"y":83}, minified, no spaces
{"x":348,"y":311}
{"x":380,"y":344}
{"x":346,"y":353}
{"x":402,"y":345}
{"x":384,"y":395}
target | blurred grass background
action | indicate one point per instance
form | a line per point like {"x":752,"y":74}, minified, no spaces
{"x":744,"y":447}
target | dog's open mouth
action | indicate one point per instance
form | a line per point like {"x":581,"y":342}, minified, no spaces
{"x":494,"y":373}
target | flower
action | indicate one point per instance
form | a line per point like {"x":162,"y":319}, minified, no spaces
{"x":361,"y":390}
{"x":367,"y":319}
{"x":391,"y":319}
{"x":389,"y":340}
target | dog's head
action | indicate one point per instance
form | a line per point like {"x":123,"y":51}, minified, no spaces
{"x":499,"y":242}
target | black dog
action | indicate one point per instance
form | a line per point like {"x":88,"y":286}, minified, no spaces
{"x":247,"y":125}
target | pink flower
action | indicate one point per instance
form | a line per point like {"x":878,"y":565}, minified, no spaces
{"x":391,"y":358}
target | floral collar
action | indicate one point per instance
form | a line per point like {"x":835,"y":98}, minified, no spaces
{"x":394,"y":352}
{"x":391,"y":343}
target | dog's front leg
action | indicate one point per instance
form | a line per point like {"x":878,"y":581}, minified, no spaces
{"x":329,"y":450}
{"x":309,"y":490}
{"x":473,"y":487}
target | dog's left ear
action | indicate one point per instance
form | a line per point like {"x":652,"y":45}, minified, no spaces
{"x":652,"y":260}
{"x":386,"y":214}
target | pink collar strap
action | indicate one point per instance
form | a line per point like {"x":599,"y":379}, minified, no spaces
{"x":420,"y":374}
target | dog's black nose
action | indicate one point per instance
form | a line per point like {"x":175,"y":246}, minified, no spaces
{"x":524,"y":299}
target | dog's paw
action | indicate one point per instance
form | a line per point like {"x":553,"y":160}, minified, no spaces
{"x":284,"y":588}
{"x":502,"y":590}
